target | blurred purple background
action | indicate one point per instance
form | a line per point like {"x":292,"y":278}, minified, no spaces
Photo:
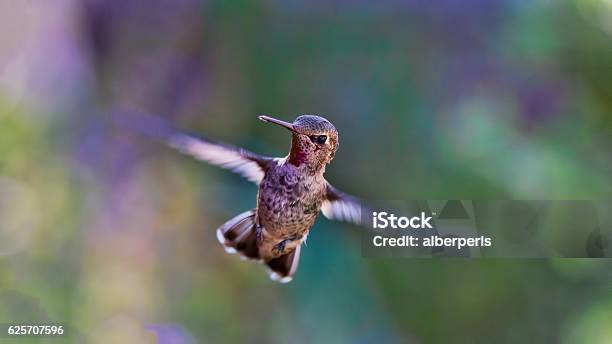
{"x":109,"y":232}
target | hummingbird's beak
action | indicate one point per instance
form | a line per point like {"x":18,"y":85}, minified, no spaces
{"x":278,"y":121}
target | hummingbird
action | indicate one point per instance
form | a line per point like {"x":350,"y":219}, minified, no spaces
{"x":292,"y":191}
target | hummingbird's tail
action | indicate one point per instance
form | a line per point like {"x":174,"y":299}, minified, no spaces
{"x":239,"y":235}
{"x":281,"y":269}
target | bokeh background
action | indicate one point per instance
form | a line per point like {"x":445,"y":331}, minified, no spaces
{"x":113,"y":234}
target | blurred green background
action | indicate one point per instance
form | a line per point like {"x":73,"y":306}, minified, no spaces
{"x":113,"y":234}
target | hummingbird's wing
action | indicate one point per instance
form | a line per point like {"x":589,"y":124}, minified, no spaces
{"x":340,"y":206}
{"x":249,"y":165}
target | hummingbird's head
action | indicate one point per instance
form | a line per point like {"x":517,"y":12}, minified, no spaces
{"x":315,"y":140}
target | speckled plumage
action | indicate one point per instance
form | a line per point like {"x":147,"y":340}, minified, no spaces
{"x":292,"y":192}
{"x":288,"y":203}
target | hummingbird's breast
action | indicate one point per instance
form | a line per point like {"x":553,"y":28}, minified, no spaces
{"x":289,"y":201}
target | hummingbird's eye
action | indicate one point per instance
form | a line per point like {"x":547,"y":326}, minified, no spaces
{"x":319,"y":139}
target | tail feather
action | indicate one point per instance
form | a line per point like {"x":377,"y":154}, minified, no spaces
{"x":239,"y":235}
{"x":283,"y":268}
